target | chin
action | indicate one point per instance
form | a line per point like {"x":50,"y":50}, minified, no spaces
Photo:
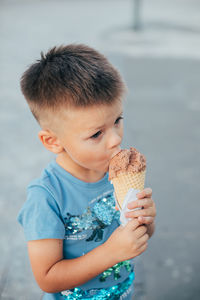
{"x":102,"y":168}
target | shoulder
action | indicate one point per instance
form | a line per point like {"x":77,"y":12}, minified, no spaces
{"x":41,"y":214}
{"x":50,"y":182}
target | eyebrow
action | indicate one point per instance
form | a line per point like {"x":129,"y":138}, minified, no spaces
{"x":102,"y":126}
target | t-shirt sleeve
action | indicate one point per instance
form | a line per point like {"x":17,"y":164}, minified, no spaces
{"x":40,"y":216}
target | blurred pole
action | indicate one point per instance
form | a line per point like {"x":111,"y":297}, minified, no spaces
{"x":136,"y":14}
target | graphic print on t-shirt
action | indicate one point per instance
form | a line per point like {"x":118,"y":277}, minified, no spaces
{"x":96,"y":217}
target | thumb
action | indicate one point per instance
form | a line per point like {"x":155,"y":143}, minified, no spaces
{"x":133,"y":224}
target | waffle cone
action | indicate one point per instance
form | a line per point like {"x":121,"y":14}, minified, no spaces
{"x":126,"y":180}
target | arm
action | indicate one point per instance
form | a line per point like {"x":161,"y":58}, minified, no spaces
{"x":55,"y":274}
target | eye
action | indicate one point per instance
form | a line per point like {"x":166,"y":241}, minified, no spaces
{"x":96,"y":135}
{"x":118,"y":120}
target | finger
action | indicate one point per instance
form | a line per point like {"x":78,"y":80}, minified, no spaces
{"x":143,"y":240}
{"x":140,"y":231}
{"x":143,"y":248}
{"x":146,"y":193}
{"x":145,"y":202}
{"x":145,"y":220}
{"x":133,"y":224}
{"x":116,"y":207}
{"x":147,"y":212}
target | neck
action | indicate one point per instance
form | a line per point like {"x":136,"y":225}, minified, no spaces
{"x":78,"y":171}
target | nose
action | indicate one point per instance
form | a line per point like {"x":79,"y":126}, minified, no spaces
{"x":114,"y":140}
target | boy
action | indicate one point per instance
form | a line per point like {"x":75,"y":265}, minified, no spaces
{"x":76,"y":247}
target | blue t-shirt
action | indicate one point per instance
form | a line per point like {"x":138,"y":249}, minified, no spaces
{"x":83,"y":215}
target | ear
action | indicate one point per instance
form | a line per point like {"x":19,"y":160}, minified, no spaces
{"x":50,"y":141}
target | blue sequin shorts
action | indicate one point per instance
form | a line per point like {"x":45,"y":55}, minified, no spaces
{"x":112,"y":293}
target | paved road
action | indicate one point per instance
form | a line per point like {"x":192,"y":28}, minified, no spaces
{"x":161,"y":65}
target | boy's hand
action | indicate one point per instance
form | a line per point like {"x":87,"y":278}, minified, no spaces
{"x":128,"y":241}
{"x":147,"y":214}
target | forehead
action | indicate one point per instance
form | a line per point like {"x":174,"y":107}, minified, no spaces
{"x":89,"y":118}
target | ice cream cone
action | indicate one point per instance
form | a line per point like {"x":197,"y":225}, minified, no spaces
{"x":124,"y":181}
{"x":127,"y":170}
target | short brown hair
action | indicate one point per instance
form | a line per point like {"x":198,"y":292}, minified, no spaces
{"x":75,"y":75}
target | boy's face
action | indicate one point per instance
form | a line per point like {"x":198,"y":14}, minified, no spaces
{"x":90,"y":136}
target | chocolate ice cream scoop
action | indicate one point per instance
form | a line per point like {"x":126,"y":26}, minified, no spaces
{"x":127,"y":160}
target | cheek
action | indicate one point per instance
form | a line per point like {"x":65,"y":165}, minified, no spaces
{"x":93,"y":153}
{"x":86,"y":154}
{"x":93,"y":156}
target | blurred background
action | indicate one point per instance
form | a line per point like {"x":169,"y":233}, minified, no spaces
{"x":156,"y":46}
